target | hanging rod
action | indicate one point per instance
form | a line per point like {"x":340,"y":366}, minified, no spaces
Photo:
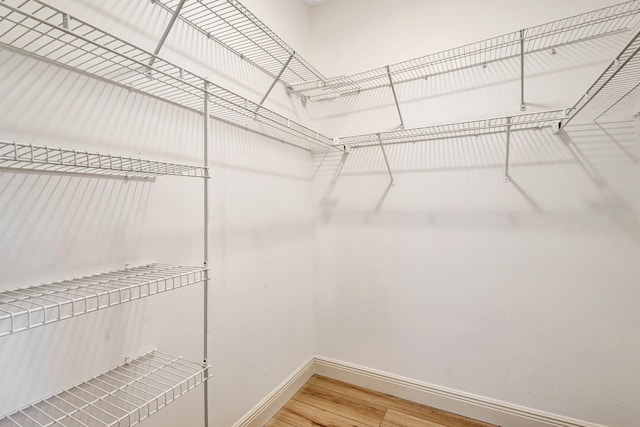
{"x":34,"y":28}
{"x":234,"y":27}
{"x":610,"y":94}
{"x":16,"y":155}
{"x":578,"y":28}
{"x":519,"y":122}
{"x":27,"y":308}
{"x":123,"y":396}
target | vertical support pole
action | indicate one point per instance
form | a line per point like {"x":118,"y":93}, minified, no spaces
{"x":175,"y":15}
{"x":206,"y":251}
{"x":523,"y":105}
{"x":395,"y":97}
{"x":386,"y":160}
{"x":65,"y":21}
{"x":636,"y":123}
{"x":286,"y":64}
{"x":507,"y":179}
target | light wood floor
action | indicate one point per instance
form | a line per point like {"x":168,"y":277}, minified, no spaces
{"x":324,"y":402}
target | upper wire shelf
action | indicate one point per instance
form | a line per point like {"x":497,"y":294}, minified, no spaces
{"x":520,"y":122}
{"x":17,"y":155}
{"x":590,"y":25}
{"x":615,"y":92}
{"x":33,"y":28}
{"x":123,"y":396}
{"x":28,"y":308}
{"x":234,"y":27}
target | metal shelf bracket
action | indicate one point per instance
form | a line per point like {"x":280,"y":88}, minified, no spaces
{"x":167,"y":30}
{"x":276,"y":80}
{"x":507,"y":179}
{"x":395,"y":98}
{"x":386,"y":160}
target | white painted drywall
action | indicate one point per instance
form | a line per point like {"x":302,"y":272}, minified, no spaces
{"x":58,"y":227}
{"x":524,"y":292}
{"x":350,"y":36}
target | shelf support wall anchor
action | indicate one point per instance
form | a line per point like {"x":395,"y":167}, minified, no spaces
{"x":523,"y":105}
{"x":167,"y":30}
{"x":65,"y":21}
{"x":276,"y":80}
{"x":395,"y":97}
{"x":206,"y":249}
{"x":507,"y":179}
{"x":386,"y":160}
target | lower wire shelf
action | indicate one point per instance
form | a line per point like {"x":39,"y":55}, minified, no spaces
{"x":43,"y":158}
{"x":121,"y":397}
{"x":27,"y":308}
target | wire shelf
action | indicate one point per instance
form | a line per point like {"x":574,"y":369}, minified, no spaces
{"x":124,"y":396}
{"x":598,"y":23}
{"x":234,"y":27}
{"x":529,"y":121}
{"x":35,"y":29}
{"x":15,"y":155}
{"x":27,"y":308}
{"x":615,"y":92}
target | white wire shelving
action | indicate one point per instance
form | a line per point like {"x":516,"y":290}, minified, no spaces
{"x":474,"y":128}
{"x":587,"y":26}
{"x":31,"y":307}
{"x":16,"y":155}
{"x":615,"y":93}
{"x":234,"y":27}
{"x":123,"y":396}
{"x":520,"y":122}
{"x":35,"y":29}
{"x":130,"y":393}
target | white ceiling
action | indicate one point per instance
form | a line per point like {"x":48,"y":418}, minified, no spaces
{"x":314,"y":2}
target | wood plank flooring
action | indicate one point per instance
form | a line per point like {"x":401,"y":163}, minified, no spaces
{"x":324,"y":402}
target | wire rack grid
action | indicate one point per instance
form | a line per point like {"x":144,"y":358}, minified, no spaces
{"x":33,"y":28}
{"x":16,"y":155}
{"x":618,"y":83}
{"x":520,"y":122}
{"x":234,"y":27}
{"x":123,"y":397}
{"x":27,"y":308}
{"x":587,"y":26}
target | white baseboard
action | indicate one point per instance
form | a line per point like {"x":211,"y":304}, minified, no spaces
{"x":470,"y":405}
{"x":466,"y":404}
{"x":267,"y":408}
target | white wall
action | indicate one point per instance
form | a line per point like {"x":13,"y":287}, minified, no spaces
{"x":350,"y":36}
{"x":54,"y":227}
{"x":523,"y":292}
{"x":408,"y":279}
